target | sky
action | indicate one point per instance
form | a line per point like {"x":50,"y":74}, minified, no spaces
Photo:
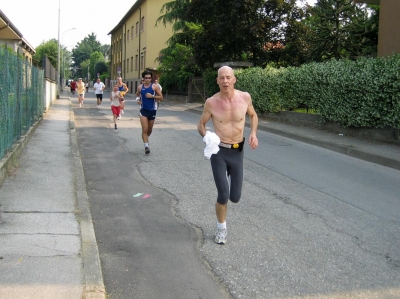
{"x":38,"y":20}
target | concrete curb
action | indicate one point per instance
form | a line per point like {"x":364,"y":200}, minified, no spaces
{"x":340,"y":148}
{"x":93,"y":277}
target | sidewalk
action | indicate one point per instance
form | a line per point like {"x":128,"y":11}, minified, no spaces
{"x":375,"y":152}
{"x":47,"y":244}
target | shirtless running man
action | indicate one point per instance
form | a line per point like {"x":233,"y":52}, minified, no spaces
{"x":227,"y":110}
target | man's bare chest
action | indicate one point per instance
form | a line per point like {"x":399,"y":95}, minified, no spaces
{"x":234,"y":113}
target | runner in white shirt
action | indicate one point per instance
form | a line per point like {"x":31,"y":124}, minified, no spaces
{"x":99,"y":87}
{"x":156,"y":82}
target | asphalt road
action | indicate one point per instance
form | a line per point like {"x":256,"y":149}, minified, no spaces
{"x":311,"y":223}
{"x":145,"y":250}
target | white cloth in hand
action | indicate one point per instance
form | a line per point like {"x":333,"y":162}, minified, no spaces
{"x":212,"y":144}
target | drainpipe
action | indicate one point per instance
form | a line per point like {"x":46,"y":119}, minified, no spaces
{"x":140,"y":26}
{"x":125,"y":52}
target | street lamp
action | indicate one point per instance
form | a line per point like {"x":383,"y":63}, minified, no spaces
{"x":58,"y":56}
{"x":66,"y":31}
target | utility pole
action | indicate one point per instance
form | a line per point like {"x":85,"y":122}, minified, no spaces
{"x":58,"y":65}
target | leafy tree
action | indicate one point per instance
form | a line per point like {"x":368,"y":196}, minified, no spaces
{"x":339,"y":29}
{"x":176,"y":14}
{"x":94,"y":58}
{"x":371,"y":44}
{"x":49,"y":49}
{"x":65,"y":62}
{"x":84,"y":68}
{"x":3,"y":46}
{"x":177,"y":62}
{"x":240,"y":32}
{"x":177,"y":65}
{"x":100,"y":68}
{"x":295,"y":47}
{"x":105,"y":50}
{"x":84,"y":49}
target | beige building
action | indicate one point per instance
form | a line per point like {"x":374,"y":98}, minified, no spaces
{"x":389,"y":24}
{"x":12,"y":37}
{"x":136,"y":42}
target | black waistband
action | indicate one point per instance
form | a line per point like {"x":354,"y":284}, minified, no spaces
{"x":232,"y":146}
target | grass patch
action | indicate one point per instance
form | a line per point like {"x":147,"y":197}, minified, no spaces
{"x":304,"y":110}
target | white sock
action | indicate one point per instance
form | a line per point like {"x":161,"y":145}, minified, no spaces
{"x":146,"y":145}
{"x":221,"y":225}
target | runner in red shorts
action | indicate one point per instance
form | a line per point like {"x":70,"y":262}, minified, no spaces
{"x":115,"y":104}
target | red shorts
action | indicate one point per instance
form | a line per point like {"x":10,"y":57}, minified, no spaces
{"x":116,"y":110}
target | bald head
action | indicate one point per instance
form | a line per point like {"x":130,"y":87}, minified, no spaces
{"x":226,"y":79}
{"x":226,"y":70}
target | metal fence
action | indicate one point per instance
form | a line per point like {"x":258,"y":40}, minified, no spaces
{"x":198,"y":90}
{"x":21,"y":98}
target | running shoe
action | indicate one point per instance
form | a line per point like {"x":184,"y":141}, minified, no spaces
{"x":220,"y":236}
{"x":147,"y":150}
{"x":122,"y":111}
{"x":115,"y":126}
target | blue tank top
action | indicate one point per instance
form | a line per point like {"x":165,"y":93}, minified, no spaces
{"x":121,"y":88}
{"x":148,"y":103}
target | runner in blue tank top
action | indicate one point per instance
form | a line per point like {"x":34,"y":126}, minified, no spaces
{"x":148,"y":95}
{"x":151,"y":103}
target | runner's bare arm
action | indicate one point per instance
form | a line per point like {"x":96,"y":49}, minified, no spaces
{"x":138,"y":90}
{"x":201,"y":126}
{"x":159,"y":95}
{"x":253,"y":141}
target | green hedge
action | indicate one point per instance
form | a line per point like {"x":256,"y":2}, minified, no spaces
{"x":210,"y":83}
{"x":360,"y":93}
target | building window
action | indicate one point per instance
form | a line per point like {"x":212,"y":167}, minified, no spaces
{"x":127,"y":63}
{"x":142,"y":25}
{"x":137,"y":28}
{"x":132,"y":32}
{"x":132,"y":64}
{"x":136,"y":62}
{"x":127,"y":37}
{"x":142,"y":61}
